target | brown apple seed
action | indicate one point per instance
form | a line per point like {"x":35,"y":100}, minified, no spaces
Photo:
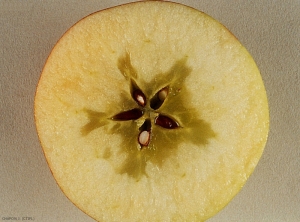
{"x":132,"y":114}
{"x":166,"y":122}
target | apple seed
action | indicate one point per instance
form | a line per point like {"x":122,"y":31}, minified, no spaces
{"x":144,"y":138}
{"x":139,"y":97}
{"x":137,"y":94}
{"x":159,"y":98}
{"x":166,"y":122}
{"x":132,"y":114}
{"x":162,"y":94}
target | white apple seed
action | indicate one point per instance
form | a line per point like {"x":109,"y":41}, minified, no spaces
{"x":144,"y":138}
{"x":140,"y":100}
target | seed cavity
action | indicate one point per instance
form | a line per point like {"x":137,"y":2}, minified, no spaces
{"x":162,"y":94}
{"x":159,"y":98}
{"x":137,"y":94}
{"x":139,"y":97}
{"x":144,"y":135}
{"x":166,"y":122}
{"x":132,"y":114}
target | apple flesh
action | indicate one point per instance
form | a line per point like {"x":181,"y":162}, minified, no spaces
{"x":151,"y":111}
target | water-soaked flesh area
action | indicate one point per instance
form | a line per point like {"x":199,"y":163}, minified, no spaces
{"x":161,"y":119}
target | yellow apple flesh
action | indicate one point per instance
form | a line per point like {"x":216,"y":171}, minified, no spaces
{"x":215,"y":93}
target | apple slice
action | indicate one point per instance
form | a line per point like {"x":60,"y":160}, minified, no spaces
{"x":151,"y":111}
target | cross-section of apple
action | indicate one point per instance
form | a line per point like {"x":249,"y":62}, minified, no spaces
{"x":151,"y":111}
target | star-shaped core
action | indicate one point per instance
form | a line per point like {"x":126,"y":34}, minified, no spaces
{"x":144,"y":136}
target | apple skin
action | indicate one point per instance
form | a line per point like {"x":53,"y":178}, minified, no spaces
{"x":225,"y":126}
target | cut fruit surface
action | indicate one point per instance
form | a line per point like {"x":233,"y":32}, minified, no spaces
{"x":151,"y":111}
